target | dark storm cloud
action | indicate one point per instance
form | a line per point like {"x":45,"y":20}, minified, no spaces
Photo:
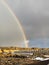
{"x":34,"y":16}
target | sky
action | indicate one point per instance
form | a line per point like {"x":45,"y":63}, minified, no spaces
{"x":10,"y":30}
{"x":34,"y":17}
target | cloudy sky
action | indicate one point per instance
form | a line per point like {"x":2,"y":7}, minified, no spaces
{"x":34,"y":17}
{"x":11,"y":33}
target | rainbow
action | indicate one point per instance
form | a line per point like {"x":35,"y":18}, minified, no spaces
{"x":17,"y":21}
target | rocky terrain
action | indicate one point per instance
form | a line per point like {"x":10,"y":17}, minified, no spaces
{"x":9,"y":57}
{"x":15,"y":61}
{"x":21,"y":61}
